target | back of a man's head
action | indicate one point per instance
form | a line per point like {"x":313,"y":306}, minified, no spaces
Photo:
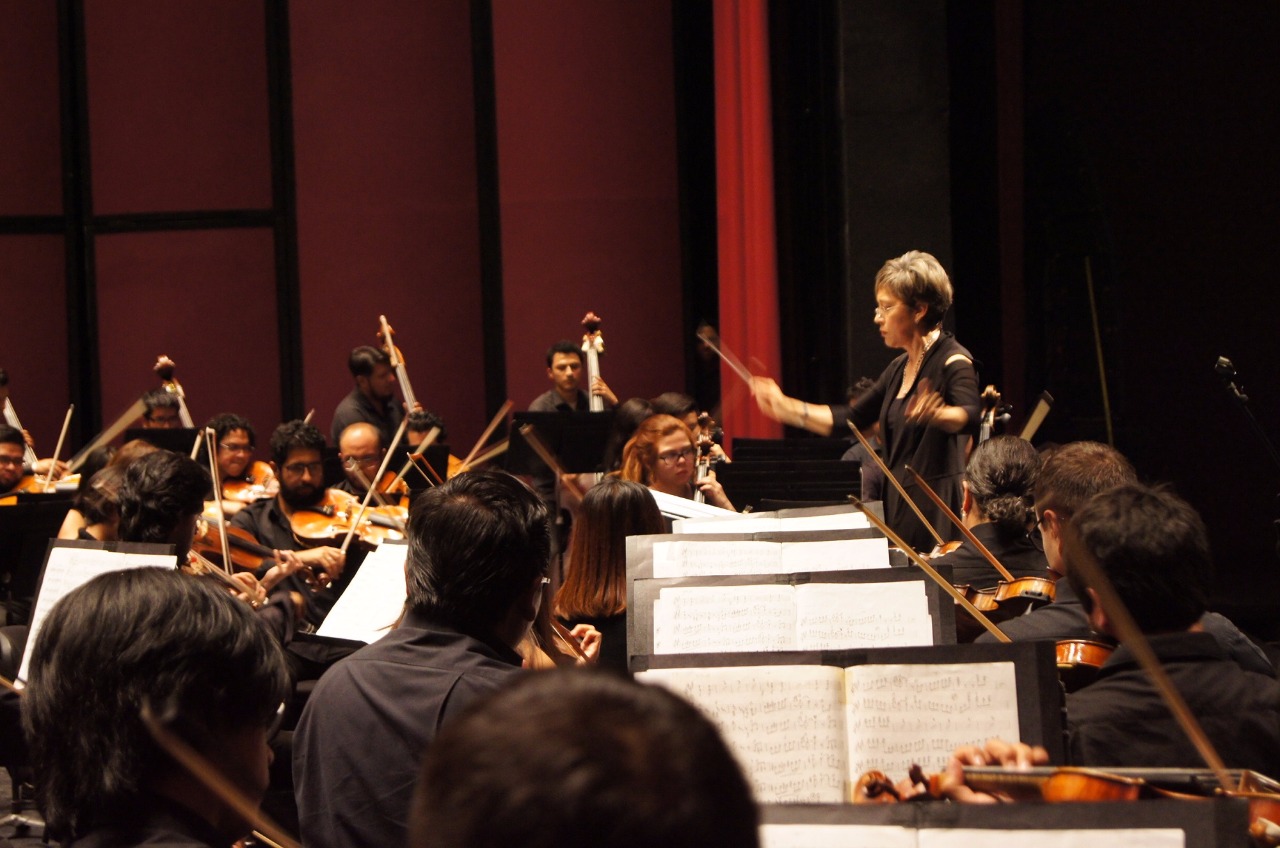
{"x":158,"y":491}
{"x":476,"y":545}
{"x":1076,"y":472}
{"x":574,"y":758}
{"x":1153,"y":548}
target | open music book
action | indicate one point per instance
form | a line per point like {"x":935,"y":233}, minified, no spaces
{"x":805,"y":732}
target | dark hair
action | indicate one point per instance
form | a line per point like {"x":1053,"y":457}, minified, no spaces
{"x":225,"y":422}
{"x":98,"y":500}
{"x":11,"y":436}
{"x":1001,"y":474}
{"x":124,"y":638}
{"x":575,"y":758}
{"x":640,"y":456}
{"x":626,"y":418}
{"x":98,"y":459}
{"x":1075,"y":472}
{"x":563,"y":346}
{"x":675,"y":404}
{"x":476,"y":545}
{"x":1153,"y":548}
{"x":363,"y":359}
{"x":132,"y":451}
{"x":596,"y":580}
{"x":159,"y":399}
{"x":421,"y":421}
{"x":157,"y":493}
{"x":294,"y":435}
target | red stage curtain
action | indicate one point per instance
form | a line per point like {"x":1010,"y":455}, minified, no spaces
{"x":744,"y":196}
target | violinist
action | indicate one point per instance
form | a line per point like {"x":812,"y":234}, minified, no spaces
{"x":374,"y":397}
{"x":296,"y":450}
{"x":162,"y":410}
{"x":997,"y":507}
{"x":1071,"y":475}
{"x":242,"y":478}
{"x":1153,"y":548}
{"x":420,"y":424}
{"x":12,"y":463}
{"x":361,"y":451}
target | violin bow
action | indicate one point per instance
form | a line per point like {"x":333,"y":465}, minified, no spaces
{"x":497,"y":449}
{"x":1130,"y":634}
{"x":210,"y":440}
{"x":544,"y":453}
{"x":416,"y":454}
{"x":217,"y":783}
{"x":11,"y":416}
{"x":955,"y":519}
{"x":866,"y":446}
{"x":484,"y":437}
{"x":364,"y":504}
{"x":708,"y":336}
{"x":570,"y":641}
{"x":397,"y":362}
{"x":930,"y":570}
{"x":1042,"y":407}
{"x":310,"y":414}
{"x":57,"y":451}
{"x":117,"y":427}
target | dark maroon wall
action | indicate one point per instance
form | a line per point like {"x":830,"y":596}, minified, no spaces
{"x":387,"y":218}
{"x":586,"y":124}
{"x":33,"y":344}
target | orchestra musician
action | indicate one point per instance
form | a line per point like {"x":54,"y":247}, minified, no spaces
{"x":361,"y":451}
{"x":420,"y":423}
{"x":162,"y":410}
{"x":997,"y":507}
{"x":662,"y":456}
{"x":374,"y":397}
{"x":198,"y":661}
{"x":925,"y":403}
{"x":13,"y":444}
{"x":680,"y":405}
{"x":235,"y":440}
{"x":564,"y":370}
{"x":479,"y":547}
{"x":647,"y":769}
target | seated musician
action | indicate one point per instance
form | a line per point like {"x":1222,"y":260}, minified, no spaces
{"x":361,"y":451}
{"x":296,"y":460}
{"x":374,"y":397}
{"x":662,"y":456}
{"x":13,"y":446}
{"x":203,"y":666}
{"x":1071,"y":475}
{"x":239,"y":474}
{"x":478,"y":553}
{"x":578,"y":759}
{"x":680,"y":405}
{"x":564,"y":370}
{"x":997,"y":507}
{"x":420,"y":424}
{"x":94,"y":512}
{"x":162,"y":410}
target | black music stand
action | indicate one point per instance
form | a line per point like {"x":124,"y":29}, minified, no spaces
{"x":577,"y":439}
{"x":25,"y":531}
{"x":178,"y":440}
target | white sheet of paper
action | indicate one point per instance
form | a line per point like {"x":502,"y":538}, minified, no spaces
{"x":710,"y":559}
{"x":70,"y":568}
{"x":721,"y":619}
{"x":838,"y":616}
{"x":783,"y":723}
{"x":836,"y":836}
{"x":1155,"y":837}
{"x":898,"y":715}
{"x":834,"y":555}
{"x":772,"y":523}
{"x":372,"y":603}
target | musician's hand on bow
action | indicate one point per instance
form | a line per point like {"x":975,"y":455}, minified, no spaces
{"x":287,"y":563}
{"x":589,"y":640}
{"x":251,"y":591}
{"x":329,"y":560}
{"x":601,"y":389}
{"x":42,"y":466}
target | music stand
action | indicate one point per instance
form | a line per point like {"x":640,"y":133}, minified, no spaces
{"x":178,"y":440}
{"x":577,"y":439}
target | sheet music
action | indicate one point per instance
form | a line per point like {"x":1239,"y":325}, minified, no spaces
{"x":837,"y":616}
{"x":834,"y":555}
{"x":783,"y":723}
{"x":838,"y":836}
{"x":1148,"y":837}
{"x":773,"y":523}
{"x":709,"y":559}
{"x":372,"y":604}
{"x":69,"y":568}
{"x":898,"y":715}
{"x":722,"y":619}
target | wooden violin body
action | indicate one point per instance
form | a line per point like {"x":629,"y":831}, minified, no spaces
{"x":258,"y":482}
{"x":335,"y":515}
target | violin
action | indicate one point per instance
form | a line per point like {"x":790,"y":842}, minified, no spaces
{"x":1079,"y":661}
{"x":993,"y":413}
{"x":335,"y":515}
{"x":258,"y":482}
{"x":247,"y":554}
{"x":593,"y":347}
{"x":164,"y":369}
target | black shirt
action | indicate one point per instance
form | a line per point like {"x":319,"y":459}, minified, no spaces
{"x":157,"y":823}
{"x":356,"y":407}
{"x":362,"y":735}
{"x":550,"y":401}
{"x":1019,"y":555}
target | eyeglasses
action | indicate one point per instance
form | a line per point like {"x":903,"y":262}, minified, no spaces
{"x":236,"y":448}
{"x":353,"y":462}
{"x":671,"y":457}
{"x":10,"y":460}
{"x":882,"y":311}
{"x":299,"y":468}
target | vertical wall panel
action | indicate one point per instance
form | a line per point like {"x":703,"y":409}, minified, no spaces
{"x":33,"y":347}
{"x":178,"y":105}
{"x":207,"y":300}
{"x":586,"y":141}
{"x":387,"y":219}
{"x":30,"y":182}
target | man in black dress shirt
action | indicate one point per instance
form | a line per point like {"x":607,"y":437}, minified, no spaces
{"x":374,"y":397}
{"x":1152,"y":547}
{"x":477,"y":560}
{"x":564,"y":370}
